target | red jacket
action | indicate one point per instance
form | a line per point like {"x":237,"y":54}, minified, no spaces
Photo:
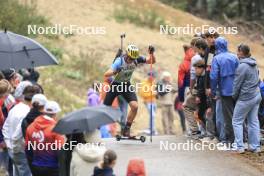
{"x":184,"y":68}
{"x":40,"y":133}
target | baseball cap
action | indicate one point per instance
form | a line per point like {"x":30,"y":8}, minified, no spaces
{"x":52,"y":107}
{"x":199,"y":63}
{"x":40,"y":99}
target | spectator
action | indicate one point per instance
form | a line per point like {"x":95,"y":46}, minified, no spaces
{"x":105,"y":168}
{"x":222,"y":75}
{"x":165,"y":97}
{"x":38,"y":102}
{"x":30,"y":74}
{"x":204,"y":101}
{"x":184,"y":70}
{"x":189,"y":108}
{"x":18,"y":94}
{"x":85,"y":155}
{"x":93,"y":98}
{"x":13,"y":123}
{"x":39,"y":133}
{"x":12,"y":77}
{"x":179,"y":108}
{"x":210,"y":37}
{"x":189,"y":104}
{"x":136,"y":167}
{"x":37,"y":109}
{"x":149,"y":97}
{"x":247,"y":95}
{"x":261,"y":107}
{"x":5,"y":90}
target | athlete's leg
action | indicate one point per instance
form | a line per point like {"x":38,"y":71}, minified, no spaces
{"x":131,"y":98}
{"x":133,"y":111}
{"x":110,"y":96}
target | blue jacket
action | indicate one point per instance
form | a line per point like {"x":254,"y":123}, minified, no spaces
{"x":223,"y":69}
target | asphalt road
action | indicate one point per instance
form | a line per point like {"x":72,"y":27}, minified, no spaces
{"x":179,"y":160}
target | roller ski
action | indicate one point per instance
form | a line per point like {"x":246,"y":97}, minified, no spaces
{"x":125,"y":135}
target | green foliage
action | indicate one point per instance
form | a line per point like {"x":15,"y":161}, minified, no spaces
{"x":16,"y":17}
{"x":148,"y":18}
{"x":56,"y":51}
{"x":73,"y":74}
{"x":178,"y":4}
{"x":67,"y":83}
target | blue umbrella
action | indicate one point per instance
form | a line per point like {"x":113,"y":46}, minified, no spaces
{"x":17,"y":51}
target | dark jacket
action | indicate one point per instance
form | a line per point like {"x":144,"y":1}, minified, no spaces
{"x":203,"y":83}
{"x":31,"y":116}
{"x":103,"y":172}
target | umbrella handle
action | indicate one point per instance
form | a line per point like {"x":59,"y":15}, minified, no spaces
{"x":32,"y":62}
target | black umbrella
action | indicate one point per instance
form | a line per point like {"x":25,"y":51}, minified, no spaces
{"x":17,"y":51}
{"x":87,"y":119}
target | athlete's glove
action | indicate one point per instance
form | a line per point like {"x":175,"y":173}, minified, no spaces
{"x":151,"y":49}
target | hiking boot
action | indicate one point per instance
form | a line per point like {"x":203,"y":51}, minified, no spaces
{"x":126,"y":131}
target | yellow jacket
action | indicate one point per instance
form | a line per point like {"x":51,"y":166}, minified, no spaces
{"x":145,"y":91}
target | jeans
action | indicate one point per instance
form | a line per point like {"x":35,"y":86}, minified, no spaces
{"x":20,"y":163}
{"x":4,"y":159}
{"x":247,"y":110}
{"x":153,"y":107}
{"x":220,"y":125}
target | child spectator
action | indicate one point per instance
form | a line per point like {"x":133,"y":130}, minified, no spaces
{"x":105,"y":168}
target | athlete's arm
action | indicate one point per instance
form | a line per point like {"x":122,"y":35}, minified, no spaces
{"x":151,"y":58}
{"x":115,"y":68}
{"x":109,"y":73}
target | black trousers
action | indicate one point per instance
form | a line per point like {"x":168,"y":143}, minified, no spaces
{"x":228,"y":105}
{"x":44,"y":171}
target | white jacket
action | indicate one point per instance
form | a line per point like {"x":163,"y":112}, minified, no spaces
{"x":13,"y":124}
{"x":84,"y":158}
